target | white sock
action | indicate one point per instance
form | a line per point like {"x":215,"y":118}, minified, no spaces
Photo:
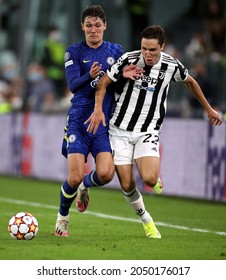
{"x":60,"y":217}
{"x":82,"y":187}
{"x":135,"y":200}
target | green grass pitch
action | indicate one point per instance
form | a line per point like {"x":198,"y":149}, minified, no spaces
{"x":109,"y":230}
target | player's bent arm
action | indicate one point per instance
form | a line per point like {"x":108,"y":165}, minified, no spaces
{"x":77,"y":82}
{"x":195,"y":89}
{"x":104,"y":82}
{"x":97,"y":116}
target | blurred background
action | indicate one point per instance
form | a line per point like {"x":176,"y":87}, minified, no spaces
{"x":34,"y":97}
{"x":35,"y":33}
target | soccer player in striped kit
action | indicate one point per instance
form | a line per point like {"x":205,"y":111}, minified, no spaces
{"x":139,"y":114}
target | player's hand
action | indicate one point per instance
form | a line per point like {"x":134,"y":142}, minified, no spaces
{"x":214,"y":117}
{"x":94,"y":120}
{"x":132,"y":72}
{"x":95,"y":70}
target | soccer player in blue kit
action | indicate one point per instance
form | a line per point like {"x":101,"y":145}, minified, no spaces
{"x":85,"y":63}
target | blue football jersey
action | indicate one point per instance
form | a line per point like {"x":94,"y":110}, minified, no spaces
{"x":78,"y":61}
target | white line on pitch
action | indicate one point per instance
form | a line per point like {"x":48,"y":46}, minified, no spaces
{"x":100,"y":215}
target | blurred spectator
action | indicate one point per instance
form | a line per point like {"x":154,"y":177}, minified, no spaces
{"x":216,"y":24}
{"x":40,"y":90}
{"x":9,"y":101}
{"x":53,"y":59}
{"x":11,"y":86}
{"x":17,"y":85}
{"x":9,"y":71}
{"x":171,"y":49}
{"x":198,"y":46}
{"x":199,"y":72}
{"x":5,"y":95}
{"x":139,"y":19}
{"x":65,"y":101}
{"x":60,"y":105}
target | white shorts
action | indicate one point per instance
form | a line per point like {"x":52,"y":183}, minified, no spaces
{"x":128,"y":145}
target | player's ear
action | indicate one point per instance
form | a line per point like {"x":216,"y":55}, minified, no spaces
{"x":105,"y":26}
{"x":163,"y":46}
{"x":82,"y":26}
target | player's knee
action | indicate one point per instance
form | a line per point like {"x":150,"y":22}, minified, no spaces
{"x":150,"y":180}
{"x":126,"y":188}
{"x":105,"y":178}
{"x":106,"y":175}
{"x":127,"y":183}
{"x":75,"y":181}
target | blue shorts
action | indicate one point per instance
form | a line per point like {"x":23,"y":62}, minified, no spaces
{"x":78,"y":140}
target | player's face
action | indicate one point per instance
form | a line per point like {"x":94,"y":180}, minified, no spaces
{"x":151,"y":51}
{"x":93,"y":28}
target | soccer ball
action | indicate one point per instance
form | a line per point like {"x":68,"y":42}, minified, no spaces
{"x":23,"y":226}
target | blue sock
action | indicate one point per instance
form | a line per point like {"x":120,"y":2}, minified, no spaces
{"x":91,"y":180}
{"x":67,"y":196}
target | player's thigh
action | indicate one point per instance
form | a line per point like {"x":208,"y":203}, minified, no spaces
{"x":126,"y":176}
{"x":146,"y":144}
{"x":148,"y":168}
{"x":105,"y":166}
{"x":122,"y":150}
{"x":76,"y":168}
{"x":102,"y":152}
{"x":146,"y":155}
{"x":100,"y":144}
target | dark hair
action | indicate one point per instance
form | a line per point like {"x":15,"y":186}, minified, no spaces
{"x":94,"y":11}
{"x":154,"y":32}
{"x":52,"y":28}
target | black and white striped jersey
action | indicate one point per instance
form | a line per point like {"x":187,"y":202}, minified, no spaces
{"x":141,"y":104}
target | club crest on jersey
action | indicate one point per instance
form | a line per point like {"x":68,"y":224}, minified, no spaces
{"x":162,"y":75}
{"x":110,"y":60}
{"x":72,"y":138}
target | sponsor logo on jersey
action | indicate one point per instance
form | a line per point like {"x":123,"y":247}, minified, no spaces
{"x":86,"y":60}
{"x":151,"y":89}
{"x":147,"y":79}
{"x":95,"y":81}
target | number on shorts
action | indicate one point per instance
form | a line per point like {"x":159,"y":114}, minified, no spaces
{"x":155,"y":141}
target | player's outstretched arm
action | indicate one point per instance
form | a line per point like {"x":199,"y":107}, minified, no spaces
{"x":213,"y":116}
{"x":97,"y":116}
